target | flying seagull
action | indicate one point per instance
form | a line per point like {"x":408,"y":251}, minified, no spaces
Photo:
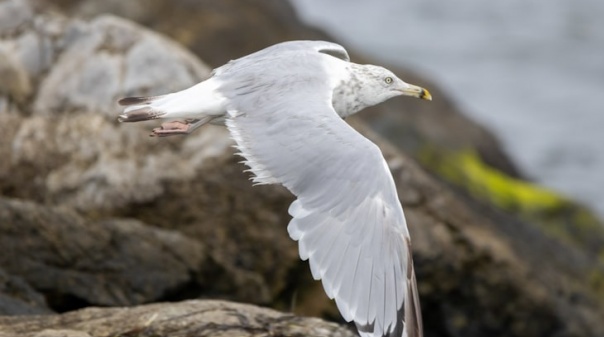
{"x":284,"y":107}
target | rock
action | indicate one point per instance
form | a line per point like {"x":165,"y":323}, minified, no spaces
{"x":188,"y":318}
{"x":85,"y":178}
{"x":15,"y":83}
{"x":77,"y":262}
{"x":68,"y":148}
{"x":19,"y":298}
{"x":243,"y":227}
{"x":199,"y":318}
{"x":214,"y":30}
{"x":71,"y":152}
{"x":61,"y":333}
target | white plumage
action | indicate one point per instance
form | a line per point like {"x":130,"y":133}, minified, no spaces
{"x":283,"y":107}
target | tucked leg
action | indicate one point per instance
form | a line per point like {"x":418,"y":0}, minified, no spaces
{"x":179,"y":128}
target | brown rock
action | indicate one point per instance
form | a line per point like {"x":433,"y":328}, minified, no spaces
{"x":77,"y":262}
{"x":70,"y":151}
{"x":61,"y":333}
{"x":15,"y":84}
{"x":190,"y":318}
{"x":214,"y":30}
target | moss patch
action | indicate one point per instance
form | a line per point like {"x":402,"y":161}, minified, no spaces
{"x":557,"y":215}
{"x":507,"y":193}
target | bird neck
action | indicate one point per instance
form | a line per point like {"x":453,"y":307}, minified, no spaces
{"x":347,"y":91}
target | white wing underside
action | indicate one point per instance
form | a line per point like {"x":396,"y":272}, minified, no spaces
{"x":347,"y":218}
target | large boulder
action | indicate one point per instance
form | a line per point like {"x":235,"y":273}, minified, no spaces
{"x":88,"y":200}
{"x":64,"y":147}
{"x":64,"y":142}
{"x":76,"y":262}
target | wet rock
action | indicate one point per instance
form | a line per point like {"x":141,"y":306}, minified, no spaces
{"x":199,"y":318}
{"x":77,"y":262}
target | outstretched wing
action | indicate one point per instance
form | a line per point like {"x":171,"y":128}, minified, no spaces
{"x":324,"y":47}
{"x":288,"y":47}
{"x":347,"y":217}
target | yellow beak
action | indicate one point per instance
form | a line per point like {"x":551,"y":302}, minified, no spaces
{"x":415,"y":91}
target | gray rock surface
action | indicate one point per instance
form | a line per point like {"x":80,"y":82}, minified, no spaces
{"x":19,"y":298}
{"x":68,"y":149}
{"x":190,"y":318}
{"x":77,"y":262}
{"x":68,"y":156}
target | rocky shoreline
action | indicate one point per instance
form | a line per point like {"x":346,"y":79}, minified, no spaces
{"x":94,"y":214}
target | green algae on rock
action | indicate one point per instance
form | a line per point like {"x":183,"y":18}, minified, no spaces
{"x":557,"y":215}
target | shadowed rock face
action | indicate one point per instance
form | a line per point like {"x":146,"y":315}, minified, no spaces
{"x":215,"y":30}
{"x":97,"y":213}
{"x":77,"y":262}
{"x":19,"y":298}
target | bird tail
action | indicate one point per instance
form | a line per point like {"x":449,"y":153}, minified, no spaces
{"x":197,"y":102}
{"x":142,"y":108}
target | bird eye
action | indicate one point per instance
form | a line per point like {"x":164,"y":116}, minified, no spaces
{"x":388,"y":80}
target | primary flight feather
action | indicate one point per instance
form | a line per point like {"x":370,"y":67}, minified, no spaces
{"x":284,"y":106}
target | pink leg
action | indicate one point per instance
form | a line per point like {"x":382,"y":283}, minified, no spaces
{"x":171,"y":128}
{"x":179,"y":128}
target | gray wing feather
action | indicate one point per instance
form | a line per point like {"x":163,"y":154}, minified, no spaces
{"x":347,"y":218}
{"x":325,"y":47}
{"x":251,"y":60}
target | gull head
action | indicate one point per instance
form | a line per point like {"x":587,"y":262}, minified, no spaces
{"x":370,"y":85}
{"x":381,"y":84}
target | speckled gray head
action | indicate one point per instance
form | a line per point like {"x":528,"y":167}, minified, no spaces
{"x":369,"y":85}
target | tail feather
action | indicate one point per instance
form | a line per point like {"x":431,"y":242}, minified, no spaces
{"x":140,"y":109}
{"x":144,"y":113}
{"x":197,"y":102}
{"x":137,"y":100}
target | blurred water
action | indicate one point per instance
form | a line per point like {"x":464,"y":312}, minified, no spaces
{"x":531,"y":71}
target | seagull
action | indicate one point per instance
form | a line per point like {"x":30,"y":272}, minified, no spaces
{"x":284,"y":107}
